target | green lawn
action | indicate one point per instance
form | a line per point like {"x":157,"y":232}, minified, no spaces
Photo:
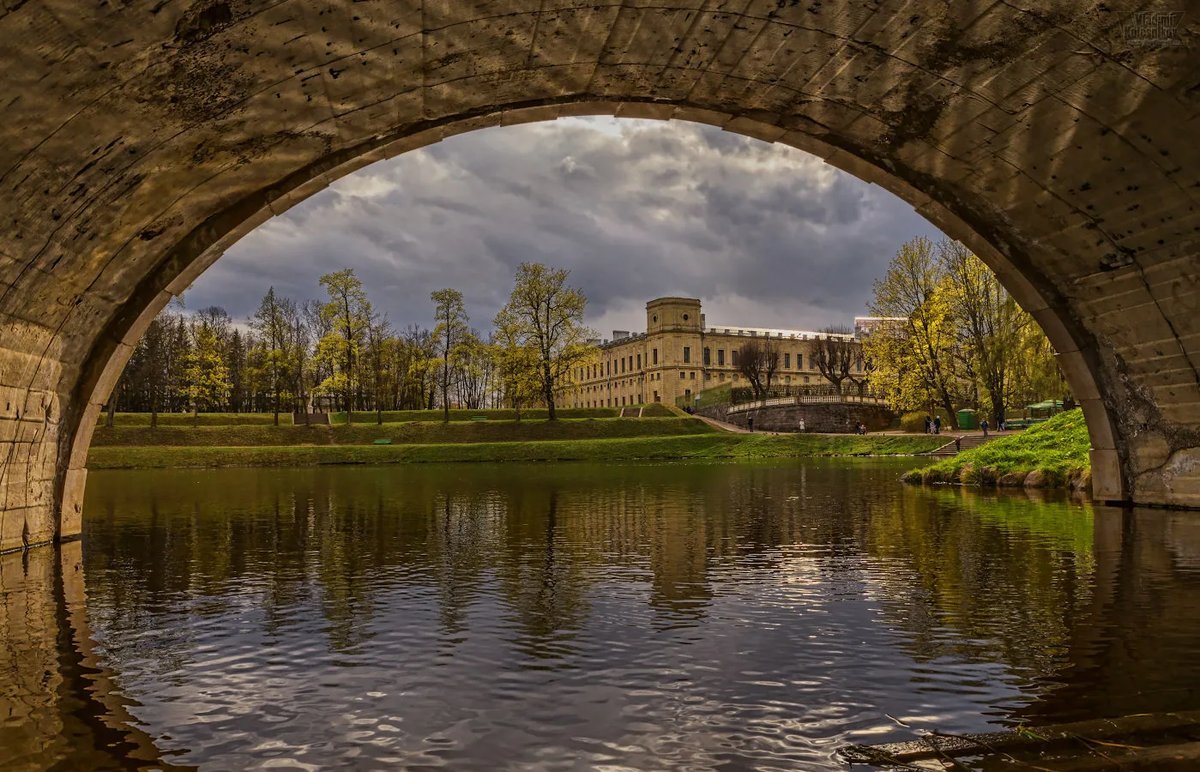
{"x":203,"y":419}
{"x":420,"y":433}
{"x":712,"y":445}
{"x":403,"y":416}
{"x":1056,"y":449}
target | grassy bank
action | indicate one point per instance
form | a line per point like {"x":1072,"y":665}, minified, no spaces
{"x":389,"y":416}
{"x":1053,"y":454}
{"x":203,"y":419}
{"x":715,"y":445}
{"x":414,"y":433}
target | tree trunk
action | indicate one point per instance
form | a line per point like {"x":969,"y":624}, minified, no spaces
{"x":997,"y":409}
{"x":548,"y":388}
{"x":112,"y":408}
{"x":951,"y":416}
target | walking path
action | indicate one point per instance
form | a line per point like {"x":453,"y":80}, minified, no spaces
{"x":723,"y":426}
{"x":960,"y":442}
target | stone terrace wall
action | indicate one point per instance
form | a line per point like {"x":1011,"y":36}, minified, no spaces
{"x":832,"y":418}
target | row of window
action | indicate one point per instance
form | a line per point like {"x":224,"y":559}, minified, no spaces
{"x":617,"y":402}
{"x":633,"y":363}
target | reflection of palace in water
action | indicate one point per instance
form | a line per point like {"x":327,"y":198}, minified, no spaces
{"x":1100,"y":612}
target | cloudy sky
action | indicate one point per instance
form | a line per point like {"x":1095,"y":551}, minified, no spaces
{"x":765,"y":235}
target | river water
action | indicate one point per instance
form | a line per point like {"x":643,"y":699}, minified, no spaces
{"x":474,"y":616}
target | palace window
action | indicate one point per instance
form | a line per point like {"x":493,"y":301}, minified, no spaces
{"x":799,"y":361}
{"x":639,"y":361}
{"x":787,"y":361}
{"x":682,"y":375}
{"x":655,"y":356}
{"x":692,"y":375}
{"x":687,"y":354}
{"x":720,"y":357}
{"x":733,"y":357}
{"x":622,"y":364}
{"x":707,"y":358}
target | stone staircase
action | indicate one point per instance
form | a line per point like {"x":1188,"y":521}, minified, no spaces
{"x":965,"y":442}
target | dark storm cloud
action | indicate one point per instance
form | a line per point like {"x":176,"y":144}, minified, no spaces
{"x":766,"y":235}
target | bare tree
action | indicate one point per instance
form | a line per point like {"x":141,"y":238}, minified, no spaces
{"x":834,"y":354}
{"x":758,"y":361}
{"x":450,"y":331}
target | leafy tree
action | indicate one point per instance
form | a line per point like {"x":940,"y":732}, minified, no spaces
{"x":990,"y":324}
{"x":451,"y":329}
{"x":915,"y":356}
{"x":516,"y":363}
{"x":547,"y":315}
{"x":347,"y":314}
{"x":206,"y":376}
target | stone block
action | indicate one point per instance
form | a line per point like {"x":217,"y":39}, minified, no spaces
{"x":1078,"y":374}
{"x":1148,"y":451}
{"x":70,"y":521}
{"x":1099,"y":424}
{"x":1108,"y":483}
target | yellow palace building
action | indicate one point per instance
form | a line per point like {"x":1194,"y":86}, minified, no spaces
{"x":679,"y":355}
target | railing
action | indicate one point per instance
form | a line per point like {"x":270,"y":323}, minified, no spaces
{"x":741,"y":394}
{"x":807,"y":399}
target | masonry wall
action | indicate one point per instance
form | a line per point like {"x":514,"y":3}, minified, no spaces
{"x":822,"y":418}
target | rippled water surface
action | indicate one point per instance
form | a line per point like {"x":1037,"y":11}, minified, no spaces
{"x":576,"y":615}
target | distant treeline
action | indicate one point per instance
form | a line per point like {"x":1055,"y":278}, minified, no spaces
{"x":342,"y":354}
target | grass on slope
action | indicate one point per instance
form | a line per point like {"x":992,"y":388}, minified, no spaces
{"x":716,"y":445}
{"x":502,"y":414}
{"x":1056,"y":450}
{"x":420,"y":433}
{"x":203,"y":419}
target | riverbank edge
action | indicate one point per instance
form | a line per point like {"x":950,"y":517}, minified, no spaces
{"x":713,"y":446}
{"x":1050,"y":455}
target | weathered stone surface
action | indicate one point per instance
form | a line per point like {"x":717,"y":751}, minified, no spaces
{"x":141,"y":139}
{"x":827,"y":418}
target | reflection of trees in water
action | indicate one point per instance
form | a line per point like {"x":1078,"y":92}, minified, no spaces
{"x":976,"y":576}
{"x":192,"y":542}
{"x":986,"y":577}
{"x":1132,"y":649}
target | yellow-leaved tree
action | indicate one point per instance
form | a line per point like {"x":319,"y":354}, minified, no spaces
{"x":545,"y":316}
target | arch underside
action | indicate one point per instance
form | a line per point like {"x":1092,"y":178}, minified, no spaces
{"x":142,"y":141}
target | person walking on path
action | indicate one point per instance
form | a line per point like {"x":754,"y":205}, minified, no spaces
{"x":928,"y":425}
{"x":937,"y":424}
{"x":984,"y":425}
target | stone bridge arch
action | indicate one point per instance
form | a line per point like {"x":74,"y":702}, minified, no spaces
{"x":142,"y":139}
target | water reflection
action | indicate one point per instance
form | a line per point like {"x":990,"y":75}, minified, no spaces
{"x":571,"y":614}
